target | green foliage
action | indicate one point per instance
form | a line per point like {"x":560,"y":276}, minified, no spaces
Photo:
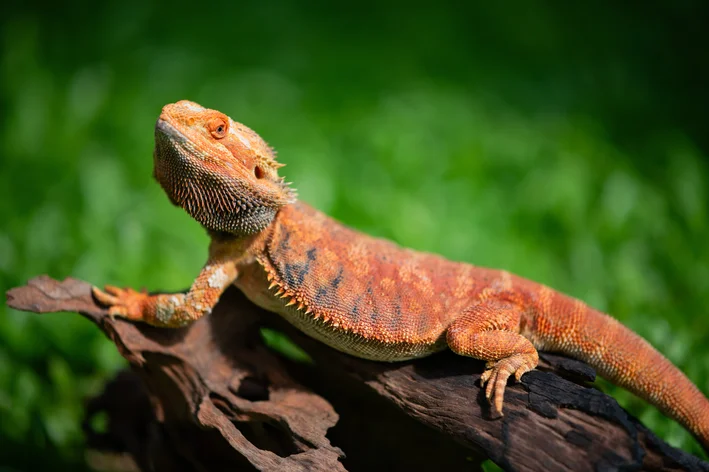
{"x":281,"y":343}
{"x":548,"y":145}
{"x":489,"y":466}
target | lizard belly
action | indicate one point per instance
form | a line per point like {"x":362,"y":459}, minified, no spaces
{"x":353,"y":343}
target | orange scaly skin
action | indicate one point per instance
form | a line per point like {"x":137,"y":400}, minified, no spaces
{"x":369,"y":297}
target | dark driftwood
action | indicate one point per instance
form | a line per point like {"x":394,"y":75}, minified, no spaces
{"x":212,"y":397}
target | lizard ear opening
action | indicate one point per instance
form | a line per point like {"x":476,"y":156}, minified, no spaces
{"x":259,"y":173}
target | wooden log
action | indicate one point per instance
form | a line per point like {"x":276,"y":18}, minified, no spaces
{"x":212,"y":396}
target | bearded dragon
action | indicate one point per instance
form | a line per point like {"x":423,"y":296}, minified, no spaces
{"x":369,"y":297}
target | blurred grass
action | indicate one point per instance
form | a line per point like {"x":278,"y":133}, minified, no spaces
{"x":564,"y":143}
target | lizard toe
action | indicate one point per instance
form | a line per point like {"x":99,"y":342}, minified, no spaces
{"x":523,"y":370}
{"x":121,"y":302}
{"x":495,"y":378}
{"x":113,"y":290}
{"x":104,"y":298}
{"x":118,"y":311}
{"x":485,"y":376}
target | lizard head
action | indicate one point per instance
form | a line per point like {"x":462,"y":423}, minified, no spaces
{"x":221,"y":172}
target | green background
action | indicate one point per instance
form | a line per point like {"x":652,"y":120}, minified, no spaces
{"x":562,"y":142}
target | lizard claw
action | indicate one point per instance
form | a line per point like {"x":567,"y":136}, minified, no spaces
{"x":495,"y":377}
{"x":122,"y":302}
{"x":107,"y":297}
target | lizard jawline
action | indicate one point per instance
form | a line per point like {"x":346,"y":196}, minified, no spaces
{"x":218,"y":202}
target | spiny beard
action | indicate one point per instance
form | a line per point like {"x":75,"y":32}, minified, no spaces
{"x":220,"y":203}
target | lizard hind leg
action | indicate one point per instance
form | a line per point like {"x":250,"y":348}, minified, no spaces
{"x":490,"y":331}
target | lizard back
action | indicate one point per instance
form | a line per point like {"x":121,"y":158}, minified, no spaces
{"x":362,"y":295}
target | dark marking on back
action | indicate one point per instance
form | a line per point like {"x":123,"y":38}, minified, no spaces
{"x":321,"y":297}
{"x":306,"y":266}
{"x":311,"y":254}
{"x":338,"y":278}
{"x":373,"y":303}
{"x":294,"y":274}
{"x":355,"y":314}
{"x":284,"y":244}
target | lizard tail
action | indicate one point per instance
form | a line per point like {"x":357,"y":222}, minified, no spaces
{"x":566,"y":325}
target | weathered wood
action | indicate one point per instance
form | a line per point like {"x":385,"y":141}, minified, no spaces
{"x":219,"y":399}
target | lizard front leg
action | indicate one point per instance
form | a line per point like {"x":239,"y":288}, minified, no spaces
{"x":171,"y":310}
{"x":490,"y":331}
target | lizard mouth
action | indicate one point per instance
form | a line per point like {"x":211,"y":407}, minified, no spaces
{"x":168,"y":136}
{"x":164,"y":127}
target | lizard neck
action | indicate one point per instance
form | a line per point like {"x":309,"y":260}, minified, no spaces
{"x":245,"y":248}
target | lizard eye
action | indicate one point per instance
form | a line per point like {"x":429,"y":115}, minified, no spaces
{"x":218,"y":127}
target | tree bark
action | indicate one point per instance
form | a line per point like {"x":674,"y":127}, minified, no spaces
{"x":212,"y":396}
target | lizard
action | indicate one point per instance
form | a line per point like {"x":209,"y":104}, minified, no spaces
{"x":366,"y":296}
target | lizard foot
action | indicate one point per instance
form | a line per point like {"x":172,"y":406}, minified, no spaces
{"x":123,"y":302}
{"x":494,"y":379}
